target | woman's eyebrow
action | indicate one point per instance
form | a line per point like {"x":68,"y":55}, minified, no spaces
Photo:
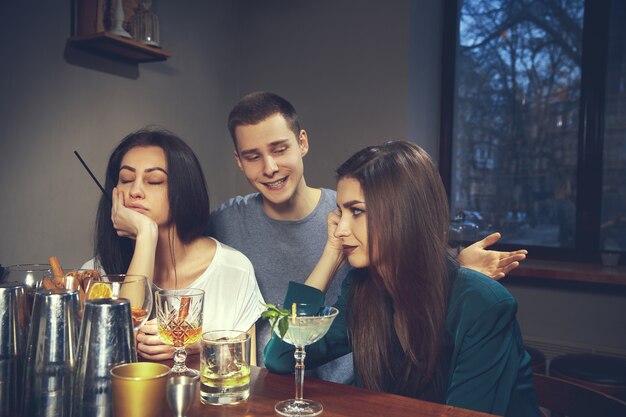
{"x":146,"y":170}
{"x":351,"y":203}
{"x":156,"y":169}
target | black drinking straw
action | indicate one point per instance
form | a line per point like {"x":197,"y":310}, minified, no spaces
{"x":92,"y":176}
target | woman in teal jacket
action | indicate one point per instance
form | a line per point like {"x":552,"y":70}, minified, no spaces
{"x":417,"y":324}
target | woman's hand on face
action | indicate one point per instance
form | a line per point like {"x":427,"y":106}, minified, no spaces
{"x":128,"y":223}
{"x":332,"y":222}
{"x":332,"y":256}
{"x":149,"y":344}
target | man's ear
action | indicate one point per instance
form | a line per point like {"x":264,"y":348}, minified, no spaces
{"x":303,"y":142}
{"x":237,"y":159}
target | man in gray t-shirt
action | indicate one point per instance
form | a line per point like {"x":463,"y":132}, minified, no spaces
{"x":281,"y":228}
{"x":280,"y":251}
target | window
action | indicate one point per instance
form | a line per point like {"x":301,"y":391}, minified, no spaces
{"x":531,"y":145}
{"x":613,"y":220}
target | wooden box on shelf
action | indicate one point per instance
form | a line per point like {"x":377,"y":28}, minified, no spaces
{"x":91,"y":16}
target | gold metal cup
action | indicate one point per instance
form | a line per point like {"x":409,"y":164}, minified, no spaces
{"x":139,"y":389}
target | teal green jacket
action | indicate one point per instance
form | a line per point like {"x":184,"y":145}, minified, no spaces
{"x":489,"y":370}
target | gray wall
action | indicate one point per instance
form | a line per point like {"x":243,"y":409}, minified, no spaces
{"x":585,"y":316}
{"x":345,"y":66}
{"x":56,"y":99}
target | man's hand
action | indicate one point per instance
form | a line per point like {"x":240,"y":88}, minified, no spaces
{"x":492,"y":263}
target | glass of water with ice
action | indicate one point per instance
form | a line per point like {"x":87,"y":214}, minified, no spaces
{"x":225,"y":367}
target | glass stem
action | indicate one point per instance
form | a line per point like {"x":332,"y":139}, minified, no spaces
{"x":299,"y":354}
{"x":180,"y":355}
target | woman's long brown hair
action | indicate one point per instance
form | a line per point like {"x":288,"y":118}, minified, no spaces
{"x":406,"y":286}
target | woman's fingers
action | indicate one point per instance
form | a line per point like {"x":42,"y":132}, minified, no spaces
{"x":154,"y":356}
{"x":149,"y":344}
{"x":155,"y":349}
{"x":116,"y":208}
{"x":150,"y":328}
{"x":333,"y":220}
{"x":114,"y":199}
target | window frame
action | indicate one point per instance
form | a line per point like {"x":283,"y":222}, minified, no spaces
{"x":590,"y":130}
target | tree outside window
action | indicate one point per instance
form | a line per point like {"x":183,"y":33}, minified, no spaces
{"x":519,"y":148}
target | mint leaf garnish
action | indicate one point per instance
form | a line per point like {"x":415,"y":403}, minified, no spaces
{"x":276,"y":316}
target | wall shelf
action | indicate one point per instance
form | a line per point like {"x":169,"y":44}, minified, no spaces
{"x":118,"y":47}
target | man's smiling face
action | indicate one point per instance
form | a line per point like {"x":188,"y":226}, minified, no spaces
{"x":270,"y":156}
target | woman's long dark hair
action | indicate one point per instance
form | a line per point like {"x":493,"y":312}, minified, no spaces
{"x":407,"y":221}
{"x":187,"y":194}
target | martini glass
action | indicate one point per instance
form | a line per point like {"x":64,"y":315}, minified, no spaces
{"x":179,"y":322}
{"x":305,"y":327}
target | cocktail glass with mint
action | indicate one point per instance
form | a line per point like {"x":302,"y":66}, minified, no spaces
{"x":301,"y":325}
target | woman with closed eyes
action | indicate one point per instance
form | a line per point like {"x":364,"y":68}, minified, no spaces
{"x":155,"y":227}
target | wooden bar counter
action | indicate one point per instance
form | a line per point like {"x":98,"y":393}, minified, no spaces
{"x":266,"y":389}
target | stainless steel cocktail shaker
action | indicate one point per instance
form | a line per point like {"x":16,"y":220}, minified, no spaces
{"x":51,"y":354}
{"x":14,"y":319}
{"x":106,"y":339}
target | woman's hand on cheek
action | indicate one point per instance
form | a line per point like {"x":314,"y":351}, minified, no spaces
{"x":332,"y":221}
{"x":128,"y":223}
{"x":149,"y":344}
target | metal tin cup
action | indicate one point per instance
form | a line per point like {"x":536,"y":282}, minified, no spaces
{"x":139,"y":389}
{"x":29,"y":275}
{"x":225,"y":367}
{"x":14,"y":318}
{"x":181,"y":393}
{"x":106,"y":339}
{"x":51,"y":354}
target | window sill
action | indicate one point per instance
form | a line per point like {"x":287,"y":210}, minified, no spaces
{"x":571,"y":271}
